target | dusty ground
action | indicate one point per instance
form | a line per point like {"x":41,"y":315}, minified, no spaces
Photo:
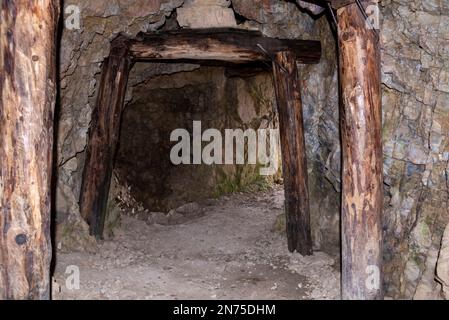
{"x":231,"y":252}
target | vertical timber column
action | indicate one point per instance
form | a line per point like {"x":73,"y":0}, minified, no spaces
{"x":361,"y":118}
{"x":27,"y":100}
{"x":103,"y":139}
{"x":294,"y":164}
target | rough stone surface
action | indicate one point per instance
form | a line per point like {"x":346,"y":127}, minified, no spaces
{"x":443,"y":264}
{"x":312,"y":8}
{"x":168,"y":102}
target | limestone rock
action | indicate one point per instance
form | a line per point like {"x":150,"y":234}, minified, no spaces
{"x":73,"y":235}
{"x":443,"y":264}
{"x":279,"y":225}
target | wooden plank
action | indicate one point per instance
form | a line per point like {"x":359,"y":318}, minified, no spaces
{"x":103,"y":139}
{"x":361,"y":118}
{"x":27,"y":101}
{"x":294,"y":163}
{"x":224,"y":45}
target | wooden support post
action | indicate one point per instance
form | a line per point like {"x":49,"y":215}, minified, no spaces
{"x":103,"y":139}
{"x":361,"y":118}
{"x":294,"y":164}
{"x":27,"y":101}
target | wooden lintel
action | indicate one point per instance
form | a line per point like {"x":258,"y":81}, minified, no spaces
{"x":221,"y":45}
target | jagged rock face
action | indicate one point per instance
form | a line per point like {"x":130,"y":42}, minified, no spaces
{"x":321,"y":112}
{"x":415,"y":76}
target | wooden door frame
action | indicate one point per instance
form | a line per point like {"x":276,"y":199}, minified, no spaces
{"x":203,"y":46}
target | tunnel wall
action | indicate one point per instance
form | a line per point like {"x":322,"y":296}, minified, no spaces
{"x":415,"y":76}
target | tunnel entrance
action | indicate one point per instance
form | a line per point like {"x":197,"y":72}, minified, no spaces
{"x":215,"y":98}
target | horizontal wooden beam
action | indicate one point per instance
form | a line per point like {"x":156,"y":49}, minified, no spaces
{"x":236,"y":46}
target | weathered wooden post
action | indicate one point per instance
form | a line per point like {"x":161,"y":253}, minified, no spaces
{"x":103,"y":138}
{"x":28,"y":91}
{"x":294,"y":164}
{"x":361,"y":118}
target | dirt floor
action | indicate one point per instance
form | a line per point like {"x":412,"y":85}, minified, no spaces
{"x":231,"y":252}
